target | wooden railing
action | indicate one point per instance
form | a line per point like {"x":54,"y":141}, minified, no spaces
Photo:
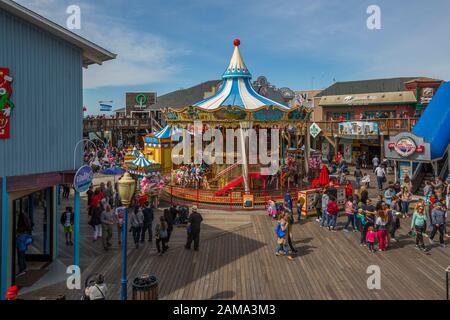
{"x":95,"y":125}
{"x":385,"y":126}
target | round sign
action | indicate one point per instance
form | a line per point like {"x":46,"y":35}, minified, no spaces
{"x":405,"y":147}
{"x":83,"y":179}
{"x":141,"y":99}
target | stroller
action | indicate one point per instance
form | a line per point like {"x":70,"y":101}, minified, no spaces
{"x":94,"y":281}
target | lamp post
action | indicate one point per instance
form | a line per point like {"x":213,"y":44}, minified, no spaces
{"x":127,"y":186}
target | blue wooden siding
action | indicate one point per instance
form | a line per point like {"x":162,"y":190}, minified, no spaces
{"x":47,"y":92}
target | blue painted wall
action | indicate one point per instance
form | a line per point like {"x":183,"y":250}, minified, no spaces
{"x":47,"y":92}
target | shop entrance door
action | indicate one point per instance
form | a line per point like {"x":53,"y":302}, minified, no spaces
{"x":33,"y":215}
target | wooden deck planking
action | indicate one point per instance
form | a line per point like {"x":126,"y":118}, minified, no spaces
{"x":237,"y":261}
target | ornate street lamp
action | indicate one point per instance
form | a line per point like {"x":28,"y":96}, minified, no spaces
{"x":126,"y":186}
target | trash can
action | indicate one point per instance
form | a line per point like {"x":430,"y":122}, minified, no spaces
{"x":145,"y":287}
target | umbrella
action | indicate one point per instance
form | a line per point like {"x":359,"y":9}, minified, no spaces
{"x":324,"y":178}
{"x":114,"y":171}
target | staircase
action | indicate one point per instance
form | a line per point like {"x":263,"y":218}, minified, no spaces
{"x":224,"y":172}
{"x":421,"y":175}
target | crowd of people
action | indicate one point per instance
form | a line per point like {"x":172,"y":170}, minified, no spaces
{"x":376,"y":220}
{"x":106,"y":217}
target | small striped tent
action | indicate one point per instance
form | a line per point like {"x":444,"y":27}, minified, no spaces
{"x":135,"y":153}
{"x":142,"y":162}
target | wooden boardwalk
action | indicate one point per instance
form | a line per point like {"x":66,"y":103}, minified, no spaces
{"x":236,"y":261}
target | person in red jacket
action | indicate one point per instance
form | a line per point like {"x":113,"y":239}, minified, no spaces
{"x":349,"y":190}
{"x":333,"y":211}
{"x":96,"y":198}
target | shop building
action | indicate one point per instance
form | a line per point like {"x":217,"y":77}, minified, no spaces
{"x":357,"y":116}
{"x":41,"y":123}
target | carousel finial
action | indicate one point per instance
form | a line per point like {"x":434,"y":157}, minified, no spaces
{"x":237,"y":42}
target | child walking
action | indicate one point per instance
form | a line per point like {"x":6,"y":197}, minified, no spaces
{"x":370,"y":239}
{"x":67,"y":220}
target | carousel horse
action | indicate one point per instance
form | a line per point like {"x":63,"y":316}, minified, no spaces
{"x":205,"y":183}
{"x":145,"y":185}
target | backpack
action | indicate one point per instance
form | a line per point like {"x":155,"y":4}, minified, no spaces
{"x":280,"y":232}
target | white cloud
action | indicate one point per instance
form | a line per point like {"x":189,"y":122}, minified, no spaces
{"x":143,"y":57}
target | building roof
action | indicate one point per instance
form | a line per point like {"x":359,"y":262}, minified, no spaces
{"x":236,"y":89}
{"x":92,"y":53}
{"x":365,"y":86}
{"x":424,"y":80}
{"x":367,"y":99}
{"x":185,"y":97}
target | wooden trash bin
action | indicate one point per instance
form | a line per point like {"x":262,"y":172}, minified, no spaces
{"x":145,"y":287}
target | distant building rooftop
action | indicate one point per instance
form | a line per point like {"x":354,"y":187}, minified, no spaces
{"x":368,"y":86}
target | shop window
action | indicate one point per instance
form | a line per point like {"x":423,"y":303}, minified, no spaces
{"x":334,"y":115}
{"x":379,"y":114}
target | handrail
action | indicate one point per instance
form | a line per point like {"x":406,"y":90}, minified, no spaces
{"x":444,"y":170}
{"x":224,"y":172}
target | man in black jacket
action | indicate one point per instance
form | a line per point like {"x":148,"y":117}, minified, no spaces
{"x":332,"y":191}
{"x":193,"y":229}
{"x":169,"y":215}
{"x":148,"y":222}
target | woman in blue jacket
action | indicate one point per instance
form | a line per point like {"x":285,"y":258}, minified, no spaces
{"x":23,"y":240}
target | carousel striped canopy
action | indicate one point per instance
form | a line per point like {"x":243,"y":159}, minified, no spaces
{"x":142,"y":162}
{"x":236,"y":89}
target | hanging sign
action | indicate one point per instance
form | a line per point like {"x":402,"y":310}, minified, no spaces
{"x":314,"y":130}
{"x":83,"y":179}
{"x":6,"y":105}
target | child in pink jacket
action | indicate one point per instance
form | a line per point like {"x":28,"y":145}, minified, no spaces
{"x":370,"y":239}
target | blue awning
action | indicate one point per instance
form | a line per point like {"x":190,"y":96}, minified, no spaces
{"x":434,"y":124}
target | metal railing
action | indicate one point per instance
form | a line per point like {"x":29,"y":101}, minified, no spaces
{"x":90,"y":125}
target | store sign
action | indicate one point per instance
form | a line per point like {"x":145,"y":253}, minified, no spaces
{"x":83,"y":179}
{"x":6,"y":105}
{"x":352,"y":99}
{"x":314,"y":130}
{"x":427,"y":95}
{"x":404,"y":147}
{"x":407,"y":146}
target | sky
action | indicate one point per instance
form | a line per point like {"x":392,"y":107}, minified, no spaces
{"x":166,"y":45}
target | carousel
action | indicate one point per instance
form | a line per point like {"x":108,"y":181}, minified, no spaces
{"x":236,"y":105}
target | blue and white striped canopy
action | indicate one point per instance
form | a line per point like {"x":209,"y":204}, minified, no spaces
{"x":167,"y":132}
{"x":142,"y":162}
{"x":236,"y":89}
{"x":135,"y":153}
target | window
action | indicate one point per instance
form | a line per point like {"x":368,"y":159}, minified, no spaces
{"x":335,"y":115}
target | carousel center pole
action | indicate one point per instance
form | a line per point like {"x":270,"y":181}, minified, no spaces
{"x":243,"y":133}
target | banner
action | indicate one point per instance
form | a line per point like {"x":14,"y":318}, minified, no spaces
{"x":325,"y":150}
{"x":360,"y":129}
{"x":6,"y":105}
{"x":105,"y":107}
{"x":348,"y":152}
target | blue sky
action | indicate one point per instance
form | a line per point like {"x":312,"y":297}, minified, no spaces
{"x":164,"y":45}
